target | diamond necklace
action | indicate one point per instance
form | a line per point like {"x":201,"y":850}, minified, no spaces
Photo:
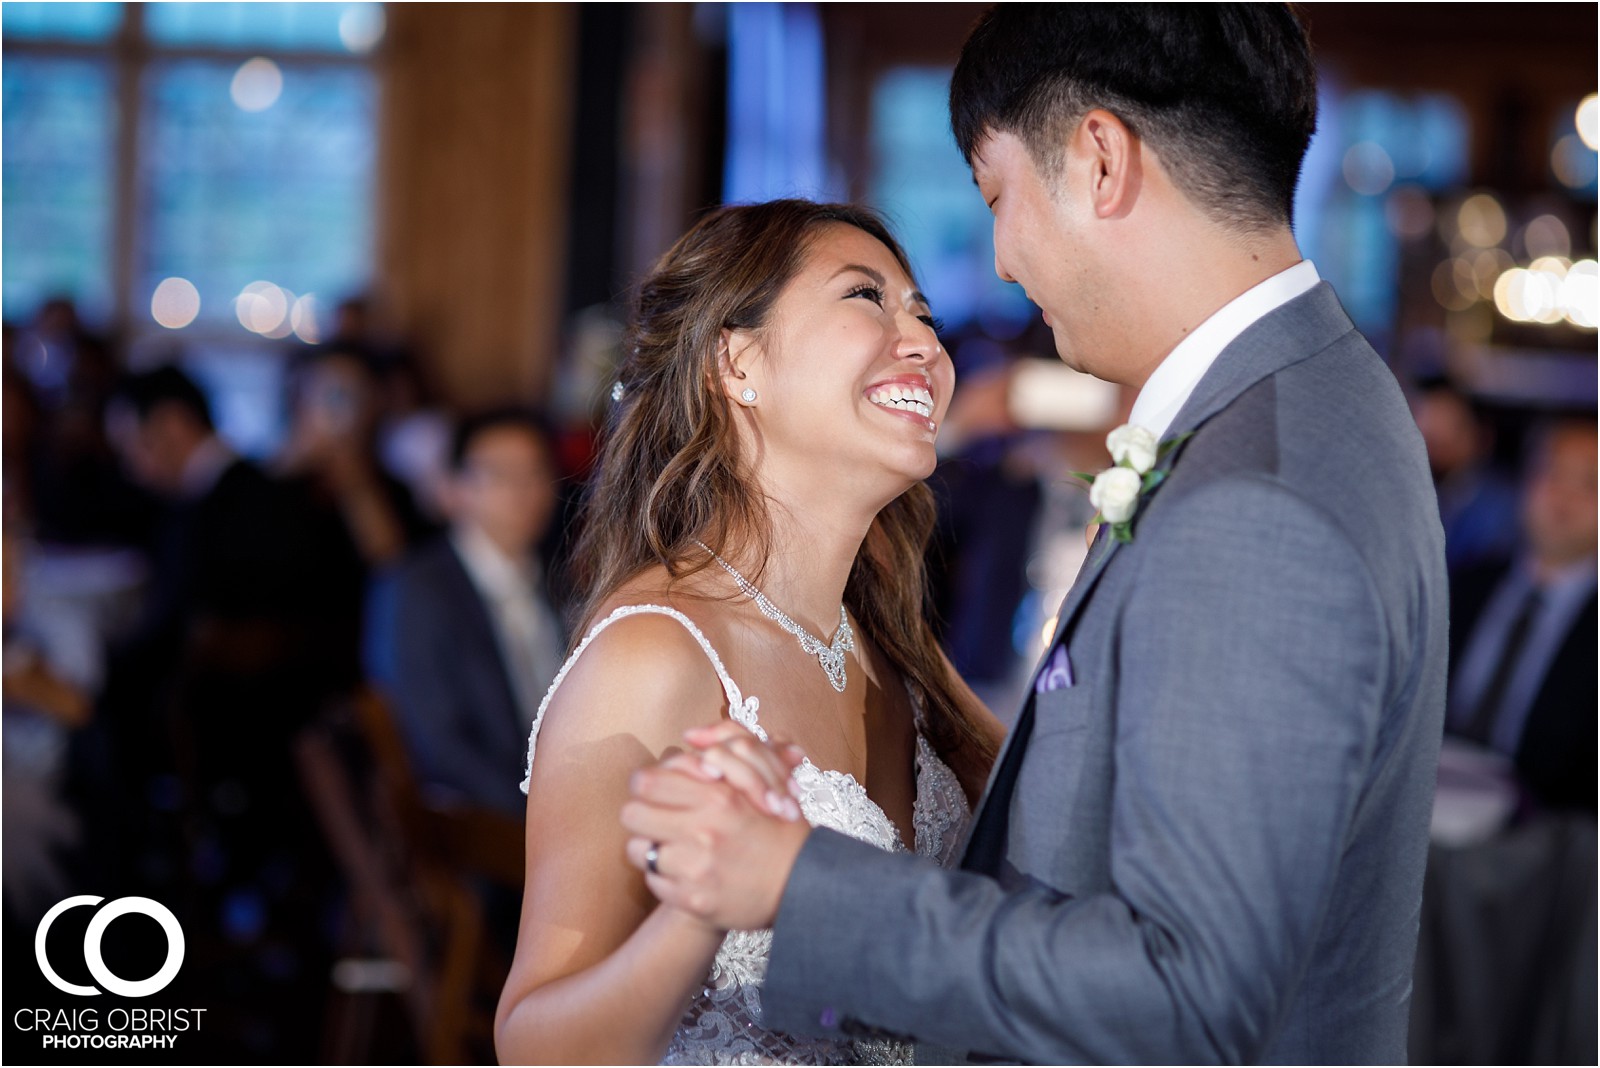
{"x":830,"y":656}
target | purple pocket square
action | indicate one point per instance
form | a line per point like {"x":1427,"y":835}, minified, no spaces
{"x":1056,"y":673}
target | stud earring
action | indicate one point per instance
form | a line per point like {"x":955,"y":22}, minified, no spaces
{"x":748,"y":396}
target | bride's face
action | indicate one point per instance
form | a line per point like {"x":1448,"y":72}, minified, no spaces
{"x":852,"y":381}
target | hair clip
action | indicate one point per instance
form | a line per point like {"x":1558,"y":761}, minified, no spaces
{"x":617,"y":391}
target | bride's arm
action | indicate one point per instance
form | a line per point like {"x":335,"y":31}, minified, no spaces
{"x":602,"y":973}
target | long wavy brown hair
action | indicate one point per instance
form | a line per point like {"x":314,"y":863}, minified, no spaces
{"x":670,"y":473}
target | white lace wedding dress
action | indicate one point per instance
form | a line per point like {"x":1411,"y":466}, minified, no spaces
{"x":723,"y":1022}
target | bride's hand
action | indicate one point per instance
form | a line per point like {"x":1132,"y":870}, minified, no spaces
{"x":706,"y":849}
{"x":762,"y":771}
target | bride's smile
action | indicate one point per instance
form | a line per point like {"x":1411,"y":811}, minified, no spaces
{"x":850,"y":329}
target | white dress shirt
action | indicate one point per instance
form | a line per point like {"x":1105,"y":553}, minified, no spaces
{"x":1168,"y":388}
{"x":524,"y":626}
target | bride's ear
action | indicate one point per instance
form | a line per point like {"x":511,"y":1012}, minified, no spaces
{"x":736,"y":352}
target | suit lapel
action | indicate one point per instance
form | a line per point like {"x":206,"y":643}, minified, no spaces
{"x":480,"y":645}
{"x":1284,"y":336}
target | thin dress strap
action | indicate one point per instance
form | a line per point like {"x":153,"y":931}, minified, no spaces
{"x":740,"y":708}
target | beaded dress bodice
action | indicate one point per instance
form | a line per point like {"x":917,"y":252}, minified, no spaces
{"x":722,"y":1024}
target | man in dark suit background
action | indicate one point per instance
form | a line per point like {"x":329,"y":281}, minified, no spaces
{"x":1522,"y":673}
{"x":473,"y":642}
{"x":221,"y":548}
{"x":216,"y":657}
{"x":187,"y":773}
{"x":1510,"y":898}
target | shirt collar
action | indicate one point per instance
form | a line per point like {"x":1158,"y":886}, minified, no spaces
{"x":1174,"y":379}
{"x":1572,"y":581}
{"x":495,"y":574}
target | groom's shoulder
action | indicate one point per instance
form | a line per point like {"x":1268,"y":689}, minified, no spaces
{"x":1332,"y":430}
{"x":1334,"y":417}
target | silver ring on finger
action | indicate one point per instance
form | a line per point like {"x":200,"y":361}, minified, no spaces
{"x":652,"y":858}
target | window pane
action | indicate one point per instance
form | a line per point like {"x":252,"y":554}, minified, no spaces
{"x":312,"y":26}
{"x":280,"y":195}
{"x":73,"y":22}
{"x":921,"y":183}
{"x":57,"y":140}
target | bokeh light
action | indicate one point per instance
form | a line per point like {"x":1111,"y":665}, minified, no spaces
{"x":1481,"y":220}
{"x":1580,"y":294}
{"x":1546,"y":236}
{"x":1487,"y":265}
{"x":175,"y":303}
{"x":361,"y":27}
{"x":1549,"y":290}
{"x":261,"y":307}
{"x":303,"y":319}
{"x":1368,"y":168}
{"x":1573,"y":162}
{"x":1448,"y":289}
{"x":285,"y":324}
{"x":257,"y":84}
{"x":1587,"y":120}
{"x":1408,"y":211}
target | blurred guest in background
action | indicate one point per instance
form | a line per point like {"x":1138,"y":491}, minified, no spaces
{"x":201,"y":707}
{"x":1477,"y":504}
{"x":41,"y":707}
{"x":220,"y":548}
{"x":59,"y":378}
{"x":65,"y":360}
{"x":360,"y":519}
{"x":414,"y":436}
{"x":331,"y":454}
{"x":217,"y":674}
{"x":473,"y":642}
{"x":1523,"y":681}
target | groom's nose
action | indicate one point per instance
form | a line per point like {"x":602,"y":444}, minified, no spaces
{"x":1000,"y":268}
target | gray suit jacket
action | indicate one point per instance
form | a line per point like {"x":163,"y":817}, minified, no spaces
{"x":1211,"y":847}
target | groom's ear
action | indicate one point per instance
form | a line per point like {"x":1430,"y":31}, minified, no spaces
{"x":1112,"y":154}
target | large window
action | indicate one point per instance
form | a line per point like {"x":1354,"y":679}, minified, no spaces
{"x":197,"y":177}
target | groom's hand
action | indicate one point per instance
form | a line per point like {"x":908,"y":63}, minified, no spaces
{"x":721,"y":854}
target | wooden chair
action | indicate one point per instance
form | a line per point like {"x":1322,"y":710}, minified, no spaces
{"x":415,"y":873}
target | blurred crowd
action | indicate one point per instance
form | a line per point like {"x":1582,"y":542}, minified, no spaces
{"x":243,"y":686}
{"x":179,"y":616}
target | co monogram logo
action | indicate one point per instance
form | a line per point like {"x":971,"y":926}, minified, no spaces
{"x":91,"y":946}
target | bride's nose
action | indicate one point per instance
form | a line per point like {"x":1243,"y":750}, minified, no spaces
{"x":918,"y":341}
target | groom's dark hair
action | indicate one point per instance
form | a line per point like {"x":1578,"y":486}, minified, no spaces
{"x":1226,"y":94}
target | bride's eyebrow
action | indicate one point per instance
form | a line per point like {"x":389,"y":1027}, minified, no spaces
{"x":877,"y":276}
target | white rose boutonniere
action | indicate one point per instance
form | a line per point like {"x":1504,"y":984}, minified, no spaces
{"x":1117,"y":491}
{"x":1133,"y":446}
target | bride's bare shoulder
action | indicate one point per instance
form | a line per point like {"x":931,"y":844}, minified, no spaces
{"x":644,"y":673}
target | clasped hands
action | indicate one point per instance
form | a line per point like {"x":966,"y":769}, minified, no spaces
{"x":716,"y":829}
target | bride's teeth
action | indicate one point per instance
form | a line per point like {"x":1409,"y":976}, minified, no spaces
{"x":904,"y":399}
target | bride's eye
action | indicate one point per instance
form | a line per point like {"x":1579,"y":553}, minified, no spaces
{"x":866,"y":289}
{"x":935,"y":323}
